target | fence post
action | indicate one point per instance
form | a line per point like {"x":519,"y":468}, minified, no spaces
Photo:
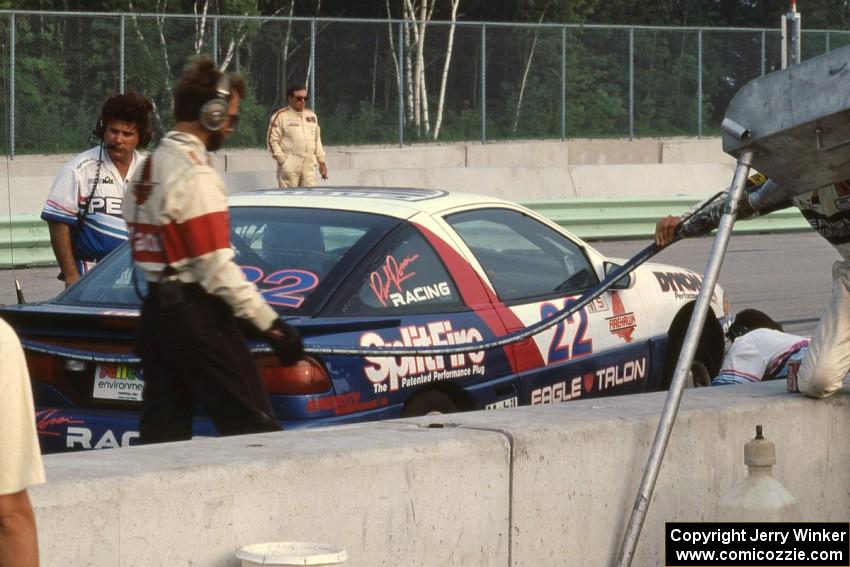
{"x":483,"y":83}
{"x":12,"y":86}
{"x":763,"y":52}
{"x":699,"y":84}
{"x":564,"y":83}
{"x":631,"y":83}
{"x":400,"y":84}
{"x":313,"y":64}
{"x":826,"y":42}
{"x":215,"y":40}
{"x":121,"y":55}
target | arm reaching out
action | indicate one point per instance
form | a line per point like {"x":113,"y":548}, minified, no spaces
{"x":704,"y":220}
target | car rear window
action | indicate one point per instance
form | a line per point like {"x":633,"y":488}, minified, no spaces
{"x":293,"y":255}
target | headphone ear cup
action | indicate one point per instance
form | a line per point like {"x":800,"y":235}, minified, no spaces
{"x":213,"y":115}
{"x":100,"y":128}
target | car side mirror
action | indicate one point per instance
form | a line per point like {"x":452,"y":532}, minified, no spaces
{"x":626,"y":282}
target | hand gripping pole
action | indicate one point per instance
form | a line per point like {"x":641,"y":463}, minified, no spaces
{"x":686,"y":358}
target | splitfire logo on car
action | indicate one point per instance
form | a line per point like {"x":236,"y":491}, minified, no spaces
{"x":408,"y":371}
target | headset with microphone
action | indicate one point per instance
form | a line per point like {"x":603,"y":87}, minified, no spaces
{"x":214,"y":112}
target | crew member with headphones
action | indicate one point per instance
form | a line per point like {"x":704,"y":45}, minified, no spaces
{"x":83,"y":209}
{"x":189,"y":339}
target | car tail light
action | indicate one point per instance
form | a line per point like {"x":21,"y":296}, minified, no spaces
{"x":44,"y":367}
{"x":306,"y":377}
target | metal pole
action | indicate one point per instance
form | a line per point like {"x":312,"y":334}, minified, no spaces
{"x":686,"y":357}
{"x":121,"y":56}
{"x":483,"y":83}
{"x":826,"y":42}
{"x":12,"y":87}
{"x":400,"y":84}
{"x":784,"y":28}
{"x":796,"y":39}
{"x":564,"y":83}
{"x":699,"y":84}
{"x":215,"y":40}
{"x":631,"y":83}
{"x":791,"y":40}
{"x":763,"y":54}
{"x":312,"y":79}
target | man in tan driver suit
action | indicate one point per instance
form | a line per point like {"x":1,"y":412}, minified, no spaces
{"x":295,"y":142}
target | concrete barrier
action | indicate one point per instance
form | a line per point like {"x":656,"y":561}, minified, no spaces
{"x":600,"y":169}
{"x":606,"y":152}
{"x":707,"y":150}
{"x":523,"y":487}
{"x":582,"y":182}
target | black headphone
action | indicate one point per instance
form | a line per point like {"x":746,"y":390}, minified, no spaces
{"x":735,"y":331}
{"x":99,"y":128}
{"x":214,"y":112}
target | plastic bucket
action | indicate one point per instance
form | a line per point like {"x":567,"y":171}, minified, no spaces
{"x":291,"y":553}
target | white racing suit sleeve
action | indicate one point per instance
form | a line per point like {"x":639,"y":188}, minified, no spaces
{"x":62,"y":201}
{"x":320,"y":150}
{"x":22,"y":466}
{"x":825,"y":364}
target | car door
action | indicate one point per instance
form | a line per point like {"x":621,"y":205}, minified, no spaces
{"x":535,"y":270}
{"x":406,"y":280}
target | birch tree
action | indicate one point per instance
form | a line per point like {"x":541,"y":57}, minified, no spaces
{"x":527,"y":68}
{"x":285,"y":53}
{"x":446,"y":64}
{"x":416,"y":17}
{"x":165,"y":77}
{"x":415,"y":29}
{"x":200,"y":25}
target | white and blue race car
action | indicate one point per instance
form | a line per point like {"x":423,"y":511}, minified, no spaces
{"x":377,"y":267}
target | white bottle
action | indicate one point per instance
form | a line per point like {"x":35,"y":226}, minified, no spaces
{"x":760,"y":497}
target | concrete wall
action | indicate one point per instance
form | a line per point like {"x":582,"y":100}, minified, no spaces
{"x":523,"y":487}
{"x":512,"y":170}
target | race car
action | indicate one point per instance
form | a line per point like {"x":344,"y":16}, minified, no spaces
{"x":374,"y":267}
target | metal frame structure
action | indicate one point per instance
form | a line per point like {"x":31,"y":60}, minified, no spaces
{"x":215,"y":22}
{"x":776,"y":124}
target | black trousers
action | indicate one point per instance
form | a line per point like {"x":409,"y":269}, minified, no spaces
{"x":193,"y":351}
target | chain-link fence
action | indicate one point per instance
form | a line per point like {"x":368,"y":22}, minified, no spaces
{"x":384,"y":82}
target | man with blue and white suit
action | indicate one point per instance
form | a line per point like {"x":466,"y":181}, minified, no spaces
{"x":83,"y":208}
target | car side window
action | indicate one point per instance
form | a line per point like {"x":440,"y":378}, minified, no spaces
{"x":403,"y":275}
{"x":522,"y":257}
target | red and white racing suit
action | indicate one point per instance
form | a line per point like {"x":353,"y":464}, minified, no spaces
{"x":187,"y":209}
{"x":191,"y":345}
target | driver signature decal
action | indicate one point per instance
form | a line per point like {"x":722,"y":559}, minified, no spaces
{"x":47,"y":420}
{"x":392,"y":274}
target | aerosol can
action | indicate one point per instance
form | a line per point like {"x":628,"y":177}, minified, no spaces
{"x":759,"y":497}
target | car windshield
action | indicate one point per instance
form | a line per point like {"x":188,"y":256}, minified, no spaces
{"x":293,"y":255}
